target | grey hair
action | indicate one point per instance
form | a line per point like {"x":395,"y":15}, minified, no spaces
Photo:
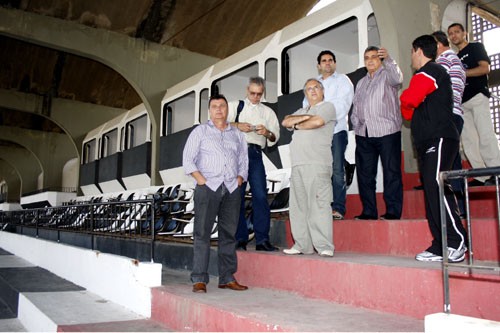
{"x":313,"y":79}
{"x":258,"y":81}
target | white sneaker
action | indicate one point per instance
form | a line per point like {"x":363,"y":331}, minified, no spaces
{"x":428,"y":256}
{"x":457,"y":255}
{"x":336,"y":215}
{"x":291,"y":251}
{"x":326,"y":253}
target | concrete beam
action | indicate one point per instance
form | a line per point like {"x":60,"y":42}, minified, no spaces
{"x":149,"y":67}
{"x":74,"y":117}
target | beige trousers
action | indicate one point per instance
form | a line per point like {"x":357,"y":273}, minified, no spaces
{"x":479,"y":140}
{"x":310,"y":208}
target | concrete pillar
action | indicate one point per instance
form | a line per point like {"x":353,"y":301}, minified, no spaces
{"x":53,"y":150}
{"x":416,"y":18}
{"x":10,"y":176}
{"x":28,"y":167}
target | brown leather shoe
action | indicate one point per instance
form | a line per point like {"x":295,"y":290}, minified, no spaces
{"x":199,"y":287}
{"x":233,"y":285}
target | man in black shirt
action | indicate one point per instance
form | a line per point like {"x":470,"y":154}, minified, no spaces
{"x":478,"y":136}
{"x":428,"y":103}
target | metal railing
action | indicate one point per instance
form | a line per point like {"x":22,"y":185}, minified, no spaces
{"x":133,"y":218}
{"x":463,"y":174}
{"x":145,"y":217}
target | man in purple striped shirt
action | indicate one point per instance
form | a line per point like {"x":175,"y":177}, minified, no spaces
{"x":216,"y":156}
{"x":376,"y":120}
{"x":453,"y":65}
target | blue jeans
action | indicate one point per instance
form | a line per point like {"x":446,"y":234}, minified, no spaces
{"x":339,"y":145}
{"x":261,"y":214}
{"x":368,"y":151}
{"x":209,"y":205}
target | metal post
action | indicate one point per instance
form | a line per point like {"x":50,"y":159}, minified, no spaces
{"x":444,"y":240}
{"x":92,"y":226}
{"x":36,"y":221}
{"x":152,"y":227}
{"x":469,"y":223}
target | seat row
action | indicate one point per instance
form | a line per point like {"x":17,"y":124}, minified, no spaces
{"x":168,"y":211}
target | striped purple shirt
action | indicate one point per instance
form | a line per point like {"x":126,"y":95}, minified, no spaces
{"x":376,"y":102}
{"x":453,"y":65}
{"x":220,"y":156}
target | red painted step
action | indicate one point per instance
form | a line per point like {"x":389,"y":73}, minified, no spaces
{"x":404,"y":237}
{"x":262,"y":310}
{"x":390,"y":284}
{"x":409,"y":237}
{"x":482,"y":203}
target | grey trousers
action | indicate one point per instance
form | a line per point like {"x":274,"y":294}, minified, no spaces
{"x":226,"y":207}
{"x":310,"y":210}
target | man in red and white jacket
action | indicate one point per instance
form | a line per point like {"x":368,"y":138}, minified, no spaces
{"x":428,"y":103}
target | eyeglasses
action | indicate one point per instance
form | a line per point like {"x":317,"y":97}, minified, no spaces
{"x":313,"y":88}
{"x":373,"y":56}
{"x":254,"y":93}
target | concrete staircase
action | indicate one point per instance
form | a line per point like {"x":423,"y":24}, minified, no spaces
{"x":263,"y":308}
{"x":372,"y":283}
{"x":33,"y":299}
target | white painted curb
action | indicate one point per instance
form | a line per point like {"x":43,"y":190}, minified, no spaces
{"x":116,"y":278}
{"x":442,"y":322}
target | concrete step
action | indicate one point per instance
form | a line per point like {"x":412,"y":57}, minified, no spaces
{"x":42,"y":301}
{"x":11,"y":325}
{"x":482,"y":203}
{"x":396,"y":237}
{"x":142,"y":325}
{"x":260,"y":309}
{"x":409,"y":237}
{"x":390,"y":284}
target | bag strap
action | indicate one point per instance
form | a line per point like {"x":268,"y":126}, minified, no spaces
{"x":241,"y":104}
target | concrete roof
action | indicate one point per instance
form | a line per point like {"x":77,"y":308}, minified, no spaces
{"x":211,"y":27}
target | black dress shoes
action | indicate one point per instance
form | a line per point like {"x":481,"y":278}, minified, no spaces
{"x":365,"y":217}
{"x":490,"y":181}
{"x":266,"y":246}
{"x":241,"y":245}
{"x":475,"y":182}
{"x":389,"y":216}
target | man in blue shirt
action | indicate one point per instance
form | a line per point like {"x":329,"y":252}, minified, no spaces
{"x":339,"y":91}
{"x":216,"y":156}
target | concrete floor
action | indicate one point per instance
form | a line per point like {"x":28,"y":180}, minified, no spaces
{"x":46,"y":302}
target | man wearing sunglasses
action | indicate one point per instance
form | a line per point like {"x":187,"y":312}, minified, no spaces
{"x":261,"y":127}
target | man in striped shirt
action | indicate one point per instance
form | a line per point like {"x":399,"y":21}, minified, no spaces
{"x":216,"y":156}
{"x":377,"y":124}
{"x":450,"y":61}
